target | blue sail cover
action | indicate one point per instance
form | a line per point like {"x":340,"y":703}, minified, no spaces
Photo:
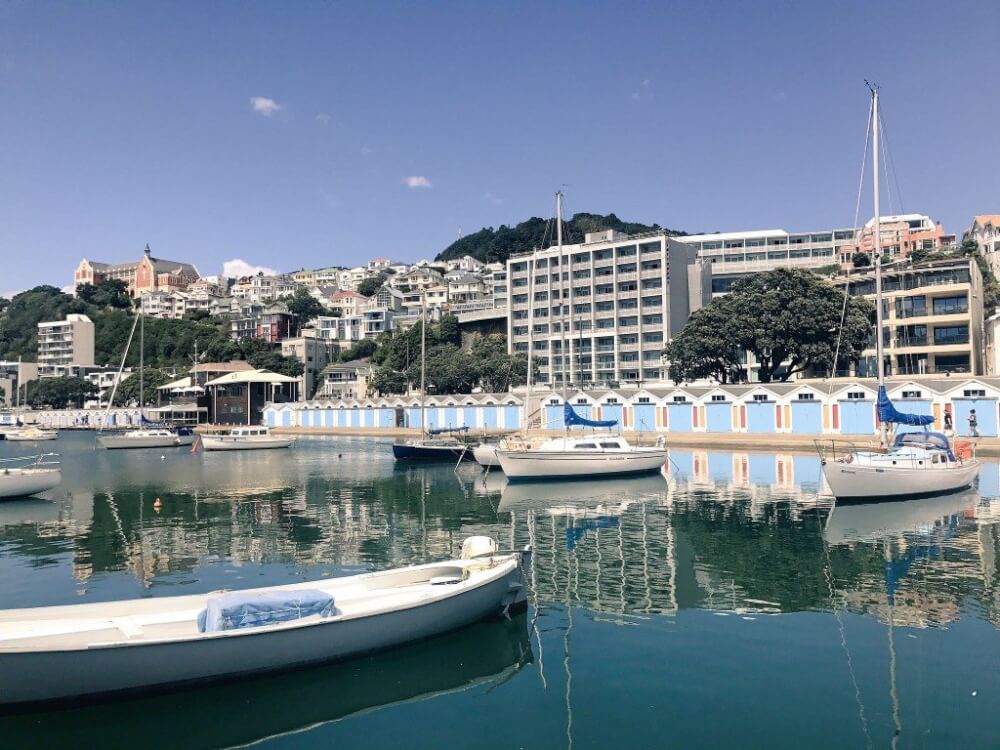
{"x":572,"y":418}
{"x":888,"y":413}
{"x":444,"y":430}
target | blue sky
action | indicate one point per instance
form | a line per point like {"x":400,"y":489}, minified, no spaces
{"x":124,"y":123}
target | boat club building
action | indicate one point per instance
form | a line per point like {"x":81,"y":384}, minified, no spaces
{"x":240,"y":397}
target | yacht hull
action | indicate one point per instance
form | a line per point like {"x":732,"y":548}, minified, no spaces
{"x":25,"y":482}
{"x":486,"y":455}
{"x":405,"y":452}
{"x":851,"y":482}
{"x":120,"y":442}
{"x":243,"y":444}
{"x":540,"y":465}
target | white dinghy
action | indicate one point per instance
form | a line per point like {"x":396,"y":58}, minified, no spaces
{"x":104,"y":648}
{"x":28,"y":475}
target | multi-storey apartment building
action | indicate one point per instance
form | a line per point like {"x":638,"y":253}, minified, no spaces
{"x":260,"y":288}
{"x":932,"y":316}
{"x":610,"y":303}
{"x":985,"y":232}
{"x":65,"y":346}
{"x":736,"y":254}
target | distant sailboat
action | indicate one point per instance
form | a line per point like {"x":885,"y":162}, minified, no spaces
{"x":594,"y":455}
{"x":915,"y":464}
{"x":147,"y":435}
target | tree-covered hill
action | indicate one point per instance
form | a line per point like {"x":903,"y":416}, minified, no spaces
{"x":496,"y":245}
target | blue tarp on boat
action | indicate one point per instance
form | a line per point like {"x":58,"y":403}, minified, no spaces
{"x":571,"y":418}
{"x":246,"y":609}
{"x":888,"y":413}
{"x":445,"y":430}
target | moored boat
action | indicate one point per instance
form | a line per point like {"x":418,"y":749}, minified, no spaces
{"x":156,"y":437}
{"x":245,"y":439}
{"x":86,"y":650}
{"x":596,"y":455}
{"x":28,"y":475}
{"x":31,"y":434}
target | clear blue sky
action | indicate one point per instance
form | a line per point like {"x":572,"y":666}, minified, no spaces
{"x":123,"y":123}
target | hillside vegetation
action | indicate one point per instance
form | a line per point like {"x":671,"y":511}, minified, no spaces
{"x":496,"y":245}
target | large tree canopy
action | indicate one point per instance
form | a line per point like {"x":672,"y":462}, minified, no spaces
{"x":59,"y":393}
{"x":790,"y":320}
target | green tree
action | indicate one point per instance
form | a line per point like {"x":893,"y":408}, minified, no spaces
{"x":19,"y":323}
{"x":152,"y":378}
{"x":109,"y":293}
{"x":861,"y":260}
{"x":60,"y":393}
{"x":708,"y":346}
{"x":304,"y":305}
{"x":386,"y":380}
{"x":448,"y":331}
{"x":498,"y":370}
{"x":789,"y":319}
{"x":361,"y":350}
{"x":371,"y":284}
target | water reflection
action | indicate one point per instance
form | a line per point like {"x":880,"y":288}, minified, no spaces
{"x":481,"y":658}
{"x":727,"y":561}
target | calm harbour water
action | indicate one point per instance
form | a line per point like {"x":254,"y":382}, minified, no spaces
{"x":722,"y":606}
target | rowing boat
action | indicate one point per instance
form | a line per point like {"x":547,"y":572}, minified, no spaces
{"x":76,"y":651}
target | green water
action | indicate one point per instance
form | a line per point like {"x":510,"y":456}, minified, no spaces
{"x":724,"y":607}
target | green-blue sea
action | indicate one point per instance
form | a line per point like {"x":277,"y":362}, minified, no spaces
{"x":724,"y":604}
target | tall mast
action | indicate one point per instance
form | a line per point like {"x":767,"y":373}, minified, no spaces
{"x":562,"y":287}
{"x":142,"y":353}
{"x":877,"y":251}
{"x":531,"y":325}
{"x":423,"y":361}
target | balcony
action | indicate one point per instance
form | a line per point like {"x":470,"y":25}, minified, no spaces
{"x":951,"y":339}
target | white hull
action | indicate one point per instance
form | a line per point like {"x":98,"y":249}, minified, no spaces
{"x":25,"y":482}
{"x":873,"y":522}
{"x":29,"y":437}
{"x":543,"y":464}
{"x":486,"y":455}
{"x":227,"y":443}
{"x":119,"y":442}
{"x":58,"y":653}
{"x":853,"y":480}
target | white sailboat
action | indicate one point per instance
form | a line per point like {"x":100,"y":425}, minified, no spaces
{"x":31,"y":434}
{"x":599,"y":454}
{"x":143,"y":437}
{"x":914,"y":464}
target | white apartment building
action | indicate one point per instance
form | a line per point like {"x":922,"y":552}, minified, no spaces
{"x":260,"y":288}
{"x":466,"y":263}
{"x":314,"y":353}
{"x":612,"y":303}
{"x":64,"y":345}
{"x":495,"y":277}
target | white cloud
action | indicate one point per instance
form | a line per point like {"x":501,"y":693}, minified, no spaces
{"x":366,"y":150}
{"x":417,"y":181}
{"x":10,"y":294}
{"x":238,"y":267}
{"x":264,"y":106}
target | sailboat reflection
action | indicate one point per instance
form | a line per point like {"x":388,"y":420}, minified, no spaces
{"x":234,"y":715}
{"x":878,"y":521}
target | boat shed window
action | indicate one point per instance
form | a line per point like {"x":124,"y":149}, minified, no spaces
{"x":760,"y":397}
{"x":611,"y":400}
{"x":858,"y":395}
{"x":680,"y":399}
{"x":911,"y":394}
{"x":718,"y":397}
{"x":581,"y":401}
{"x":554,"y":401}
{"x":643,"y":399}
{"x":974,"y":393}
{"x":807,"y":397}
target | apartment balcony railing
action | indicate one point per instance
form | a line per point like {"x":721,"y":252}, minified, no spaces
{"x":951,"y":339}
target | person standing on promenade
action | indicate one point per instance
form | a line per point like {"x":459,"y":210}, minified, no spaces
{"x":973,"y":424}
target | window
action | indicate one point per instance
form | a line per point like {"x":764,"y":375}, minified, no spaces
{"x":910,"y":394}
{"x":610,"y":445}
{"x":652,"y":320}
{"x":680,"y":399}
{"x":581,"y":402}
{"x":611,"y":401}
{"x":951,"y":305}
{"x":951,"y":335}
{"x":974,"y":393}
{"x":718,"y":397}
{"x":644,"y":399}
{"x":856,"y":395}
{"x":807,"y":396}
{"x":586,"y":446}
{"x":760,"y":397}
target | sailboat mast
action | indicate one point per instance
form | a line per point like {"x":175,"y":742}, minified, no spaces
{"x":877,"y":251}
{"x":562,"y":289}
{"x":423,"y":361}
{"x":142,"y":353}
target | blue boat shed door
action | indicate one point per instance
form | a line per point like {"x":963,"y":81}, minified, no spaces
{"x":986,"y":415}
{"x":719,"y":416}
{"x":857,"y":417}
{"x":807,"y":417}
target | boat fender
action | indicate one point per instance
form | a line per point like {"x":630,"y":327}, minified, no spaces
{"x":479,"y":546}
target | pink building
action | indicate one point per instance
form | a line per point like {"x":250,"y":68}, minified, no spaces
{"x":901,"y":235}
